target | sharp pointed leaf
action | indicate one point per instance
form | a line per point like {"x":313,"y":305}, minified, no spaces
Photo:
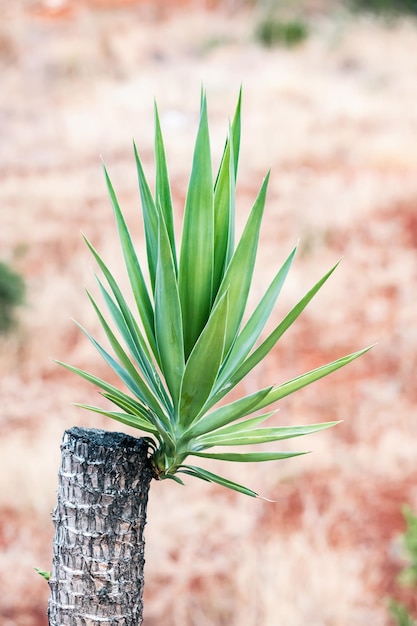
{"x":130,"y":378}
{"x":114,"y":392}
{"x":260,"y":435}
{"x":150,"y":219}
{"x":253,"y":328}
{"x":102,"y":384}
{"x":129,"y":405}
{"x":247,"y":457}
{"x":196,"y":258}
{"x":228,"y":413}
{"x":133,"y":339}
{"x":162,"y":186}
{"x":203,"y":364}
{"x":224,"y":217}
{"x":238,"y":276}
{"x":124,"y":418}
{"x":236,"y":133}
{"x":134,"y":270}
{"x":203,"y":474}
{"x":168,"y":319}
{"x":150,"y":394}
{"x":150,"y":386}
{"x":260,"y":353}
{"x":306,"y":379}
{"x":173,"y":477}
{"x":245,"y":425}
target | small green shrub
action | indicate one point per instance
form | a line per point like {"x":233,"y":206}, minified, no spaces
{"x":385,"y":7}
{"x":12,"y":293}
{"x":273,"y":31}
{"x":407,"y":576}
{"x":400,"y":614}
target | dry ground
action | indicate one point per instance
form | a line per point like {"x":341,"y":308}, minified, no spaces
{"x":337,"y":122}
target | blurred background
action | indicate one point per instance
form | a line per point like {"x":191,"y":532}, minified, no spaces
{"x":329,"y":103}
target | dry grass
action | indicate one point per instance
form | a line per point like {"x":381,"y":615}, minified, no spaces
{"x":336,"y":120}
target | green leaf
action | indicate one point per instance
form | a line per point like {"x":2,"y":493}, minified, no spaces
{"x":253,"y":328}
{"x":168,"y":319}
{"x":150,"y":376}
{"x":260,"y":353}
{"x":238,"y":276}
{"x":199,"y":472}
{"x":306,"y":379}
{"x":102,"y":384}
{"x":134,"y":270}
{"x":128,"y":375}
{"x":113,"y":394}
{"x":135,"y":342}
{"x":196,"y":258}
{"x":247,"y":457}
{"x":130,"y":406}
{"x":118,"y":350}
{"x":242,"y":426}
{"x":162,"y":186}
{"x":125,"y":418}
{"x":203,"y":364}
{"x":150,"y":219}
{"x":124,"y":309}
{"x":236,"y":132}
{"x":224,"y":201}
{"x":173,"y":477}
{"x":224,"y":216}
{"x":228,"y":413}
{"x":239,"y":437}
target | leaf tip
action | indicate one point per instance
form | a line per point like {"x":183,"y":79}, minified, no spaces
{"x":103,"y":165}
{"x":259,"y":497}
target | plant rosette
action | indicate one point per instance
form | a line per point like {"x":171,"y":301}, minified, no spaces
{"x":183,"y":346}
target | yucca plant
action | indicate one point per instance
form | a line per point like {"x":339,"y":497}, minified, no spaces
{"x":184,"y":345}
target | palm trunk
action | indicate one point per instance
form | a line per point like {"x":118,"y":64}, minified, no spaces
{"x":98,"y":553}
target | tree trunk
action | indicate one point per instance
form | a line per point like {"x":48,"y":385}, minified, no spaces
{"x":98,"y":553}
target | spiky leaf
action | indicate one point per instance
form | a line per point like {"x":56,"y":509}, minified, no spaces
{"x":162,"y":187}
{"x":197,"y":256}
{"x":168,"y":318}
{"x":203,"y":364}
{"x":199,"y":472}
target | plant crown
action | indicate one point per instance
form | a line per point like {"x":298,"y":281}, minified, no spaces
{"x":183,"y":346}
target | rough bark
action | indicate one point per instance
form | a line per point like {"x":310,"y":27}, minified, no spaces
{"x":98,"y":552}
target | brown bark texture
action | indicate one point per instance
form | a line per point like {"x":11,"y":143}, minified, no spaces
{"x":98,"y":551}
